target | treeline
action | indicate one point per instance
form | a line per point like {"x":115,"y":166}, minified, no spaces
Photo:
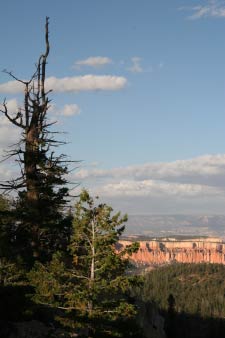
{"x":195,"y":288}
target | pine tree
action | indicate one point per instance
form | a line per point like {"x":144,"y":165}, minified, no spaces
{"x":42,"y":191}
{"x":92,"y":286}
{"x":101,"y":271}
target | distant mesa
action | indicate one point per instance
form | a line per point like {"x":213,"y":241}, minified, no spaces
{"x":170,"y":225}
{"x":159,"y":251}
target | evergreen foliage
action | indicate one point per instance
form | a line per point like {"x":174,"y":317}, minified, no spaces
{"x":5,"y":226}
{"x":10,"y":269}
{"x":195,"y":288}
{"x":90,"y":284}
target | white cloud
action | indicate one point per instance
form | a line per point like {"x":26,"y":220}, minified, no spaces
{"x":11,"y":87}
{"x":7,"y":129}
{"x":208,"y":169}
{"x":210,"y":8}
{"x":70,"y":110}
{"x":67,"y":110}
{"x":93,"y":61}
{"x":86,"y":83}
{"x":155,"y":189}
{"x":12,"y":106}
{"x":9,"y":134}
{"x":136,"y":65}
{"x":73,"y":84}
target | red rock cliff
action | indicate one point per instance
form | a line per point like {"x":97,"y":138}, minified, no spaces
{"x":161,"y":252}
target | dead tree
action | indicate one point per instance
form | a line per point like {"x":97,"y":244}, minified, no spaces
{"x":41,"y":187}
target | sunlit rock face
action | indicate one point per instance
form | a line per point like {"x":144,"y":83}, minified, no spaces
{"x":210,"y":250}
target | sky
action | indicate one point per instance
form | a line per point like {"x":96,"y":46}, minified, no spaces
{"x":138,"y":87}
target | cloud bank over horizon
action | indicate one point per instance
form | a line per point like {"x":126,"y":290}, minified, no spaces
{"x":178,"y":186}
{"x":206,"y":170}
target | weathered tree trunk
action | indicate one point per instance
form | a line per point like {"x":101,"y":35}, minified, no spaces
{"x":30,"y":165}
{"x":32,"y":193}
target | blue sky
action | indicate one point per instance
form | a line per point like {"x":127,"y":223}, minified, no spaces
{"x":139,"y":87}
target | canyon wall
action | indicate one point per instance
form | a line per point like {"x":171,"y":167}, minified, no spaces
{"x":158,"y":252}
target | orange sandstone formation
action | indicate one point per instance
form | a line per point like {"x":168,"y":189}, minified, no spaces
{"x":193,"y":251}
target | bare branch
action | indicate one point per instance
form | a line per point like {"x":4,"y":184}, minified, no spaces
{"x":13,"y":120}
{"x":15,"y":78}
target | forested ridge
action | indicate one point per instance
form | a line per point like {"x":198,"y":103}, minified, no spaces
{"x":196,"y":288}
{"x":190,"y":298}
